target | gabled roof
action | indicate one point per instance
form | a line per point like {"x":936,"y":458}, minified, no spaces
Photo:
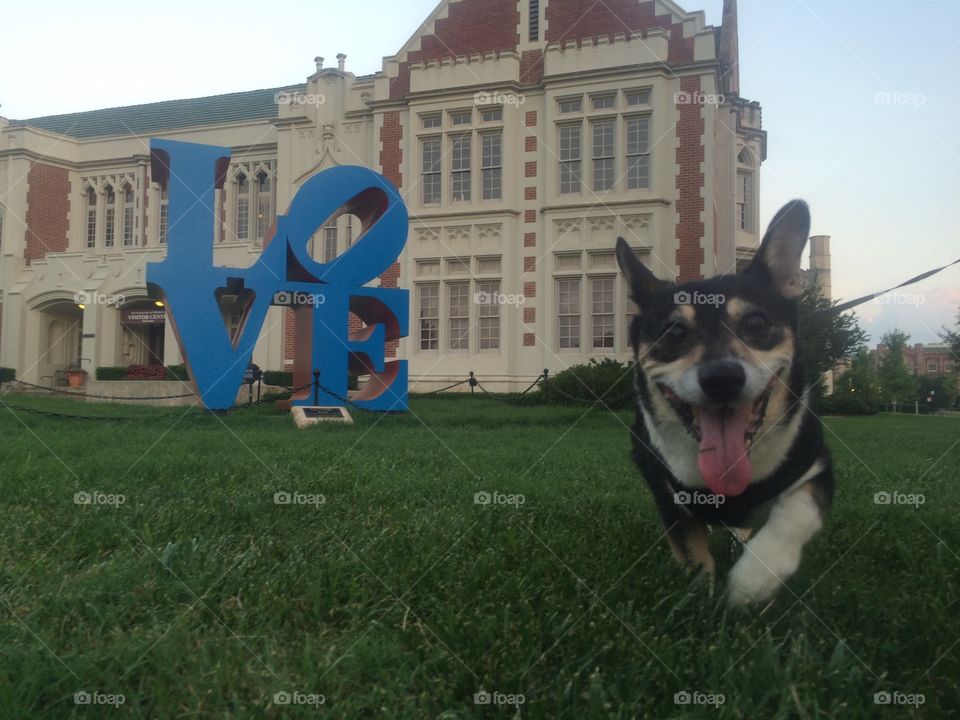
{"x":161,"y":116}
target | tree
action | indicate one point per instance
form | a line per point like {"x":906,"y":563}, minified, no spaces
{"x":860,"y":380}
{"x":896,"y":382}
{"x":952,"y":338}
{"x":826,"y":338}
{"x":936,"y":393}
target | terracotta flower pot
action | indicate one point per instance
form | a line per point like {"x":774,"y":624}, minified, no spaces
{"x":76,"y":379}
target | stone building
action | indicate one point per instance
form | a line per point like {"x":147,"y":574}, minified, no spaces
{"x":524,"y":136}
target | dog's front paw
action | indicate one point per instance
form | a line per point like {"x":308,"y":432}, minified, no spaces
{"x":760,"y":572}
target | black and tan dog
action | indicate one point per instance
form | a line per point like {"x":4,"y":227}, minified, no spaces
{"x":724,"y":433}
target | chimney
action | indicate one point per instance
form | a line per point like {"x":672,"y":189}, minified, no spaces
{"x":341,"y":61}
{"x":729,"y":50}
{"x":820,"y":262}
{"x":319,"y":61}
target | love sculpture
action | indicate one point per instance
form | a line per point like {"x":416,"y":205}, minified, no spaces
{"x":321,"y":295}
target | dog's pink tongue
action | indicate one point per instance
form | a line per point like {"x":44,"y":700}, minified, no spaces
{"x":724,"y":464}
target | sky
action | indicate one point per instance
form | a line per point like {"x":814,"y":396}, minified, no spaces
{"x":860,"y":104}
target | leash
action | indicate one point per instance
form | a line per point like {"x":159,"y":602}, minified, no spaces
{"x":842,"y":307}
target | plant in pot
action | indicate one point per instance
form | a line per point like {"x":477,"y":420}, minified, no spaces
{"x":76,"y":376}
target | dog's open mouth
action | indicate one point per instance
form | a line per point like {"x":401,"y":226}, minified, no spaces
{"x":725,"y":435}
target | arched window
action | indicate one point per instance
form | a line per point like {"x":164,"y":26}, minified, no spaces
{"x":110,"y":203}
{"x":242,"y":225}
{"x":264,"y":204}
{"x":745,"y":157}
{"x":128,"y":204}
{"x":90,"y":199}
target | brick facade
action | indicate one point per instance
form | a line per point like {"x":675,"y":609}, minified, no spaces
{"x":578,"y":20}
{"x":472,"y":27}
{"x":531,"y":67}
{"x":48,"y":211}
{"x":689,"y":183}
{"x":391,"y":153}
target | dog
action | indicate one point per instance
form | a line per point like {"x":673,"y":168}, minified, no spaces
{"x":724,"y":432}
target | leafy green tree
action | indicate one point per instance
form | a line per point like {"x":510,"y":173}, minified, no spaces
{"x":860,"y":379}
{"x":897,"y":384}
{"x":936,"y":392}
{"x":826,"y":338}
{"x":952,"y":338}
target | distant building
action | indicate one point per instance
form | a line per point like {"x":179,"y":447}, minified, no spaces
{"x":524,"y":137}
{"x":930,"y":360}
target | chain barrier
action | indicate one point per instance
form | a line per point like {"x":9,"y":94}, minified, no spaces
{"x":100,"y":397}
{"x":541,"y":382}
{"x":50,"y":413}
{"x":514,"y":396}
{"x":114,"y":418}
{"x":444,"y":389}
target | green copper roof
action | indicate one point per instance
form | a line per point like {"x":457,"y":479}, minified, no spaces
{"x":160,"y":116}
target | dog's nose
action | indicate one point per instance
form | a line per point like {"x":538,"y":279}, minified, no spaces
{"x":721,"y":380}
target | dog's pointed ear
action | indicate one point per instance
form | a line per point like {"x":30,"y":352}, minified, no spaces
{"x":782,"y":248}
{"x":642,"y":282}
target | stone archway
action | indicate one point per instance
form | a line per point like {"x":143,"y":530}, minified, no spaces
{"x":61,"y":331}
{"x":142,"y":333}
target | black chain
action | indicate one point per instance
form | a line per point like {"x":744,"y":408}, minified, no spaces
{"x":103,"y":397}
{"x":514,"y":396}
{"x":444,"y":389}
{"x":201,"y":413}
{"x":50,"y":413}
{"x":339,"y":397}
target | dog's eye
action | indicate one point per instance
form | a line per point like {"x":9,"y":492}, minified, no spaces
{"x":755,"y":323}
{"x":673,"y":333}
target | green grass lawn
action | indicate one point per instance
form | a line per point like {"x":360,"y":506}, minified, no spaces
{"x":391,"y":593}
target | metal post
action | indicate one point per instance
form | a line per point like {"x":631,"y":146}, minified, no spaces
{"x":473,"y":382}
{"x":316,"y":387}
{"x":546,"y":377}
